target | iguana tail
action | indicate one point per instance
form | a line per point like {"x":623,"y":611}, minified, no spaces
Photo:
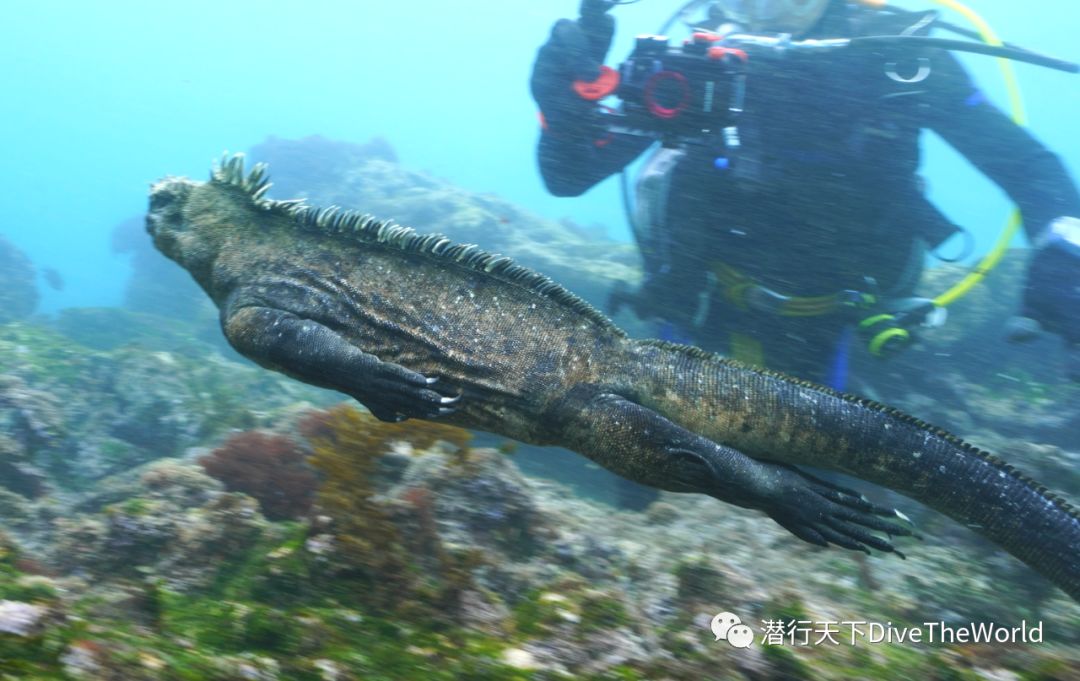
{"x":769,"y":416}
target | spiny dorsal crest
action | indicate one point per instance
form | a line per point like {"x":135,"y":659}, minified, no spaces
{"x":369,"y":229}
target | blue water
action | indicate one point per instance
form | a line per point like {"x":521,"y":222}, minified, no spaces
{"x":102,"y":98}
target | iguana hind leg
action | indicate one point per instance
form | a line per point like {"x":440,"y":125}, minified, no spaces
{"x":316,"y":354}
{"x":640,"y":444}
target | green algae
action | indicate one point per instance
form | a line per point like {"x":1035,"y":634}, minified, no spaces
{"x":698,"y":579}
{"x":535,"y":616}
{"x":602,"y":612}
{"x":201,"y":636}
{"x":785,"y":665}
{"x":43,"y":356}
{"x":16,"y":585}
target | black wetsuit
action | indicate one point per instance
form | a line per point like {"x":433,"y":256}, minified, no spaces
{"x":825,"y":195}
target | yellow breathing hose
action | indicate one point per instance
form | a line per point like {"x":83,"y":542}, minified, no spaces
{"x":1016,"y":104}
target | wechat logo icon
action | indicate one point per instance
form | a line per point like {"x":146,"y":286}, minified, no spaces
{"x":727,"y":626}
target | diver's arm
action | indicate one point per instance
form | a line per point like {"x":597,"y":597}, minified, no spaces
{"x":1032,"y":175}
{"x":575,"y":160}
{"x":1040,"y":185}
{"x":576,"y":149}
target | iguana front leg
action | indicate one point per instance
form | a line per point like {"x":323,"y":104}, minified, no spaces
{"x":640,"y":444}
{"x":316,"y":354}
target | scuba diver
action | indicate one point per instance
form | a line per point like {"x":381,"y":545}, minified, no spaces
{"x":796,"y":221}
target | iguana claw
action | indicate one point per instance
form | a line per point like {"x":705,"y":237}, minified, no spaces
{"x":822,"y":513}
{"x":397,"y":393}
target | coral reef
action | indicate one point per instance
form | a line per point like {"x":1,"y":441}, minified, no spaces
{"x":270,"y":468}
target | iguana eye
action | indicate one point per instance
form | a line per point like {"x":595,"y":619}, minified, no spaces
{"x":159,"y":200}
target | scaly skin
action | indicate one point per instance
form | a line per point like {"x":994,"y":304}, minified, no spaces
{"x":771,"y":417}
{"x":415,"y":326}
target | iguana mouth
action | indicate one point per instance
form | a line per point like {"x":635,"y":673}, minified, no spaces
{"x":164,"y":193}
{"x":164,"y":220}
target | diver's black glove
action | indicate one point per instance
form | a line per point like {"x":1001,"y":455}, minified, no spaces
{"x":1052,"y":295}
{"x":574,"y":52}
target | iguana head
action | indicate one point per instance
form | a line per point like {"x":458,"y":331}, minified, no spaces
{"x":165,"y":221}
{"x":189,"y":221}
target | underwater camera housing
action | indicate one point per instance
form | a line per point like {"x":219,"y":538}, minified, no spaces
{"x":681,"y":94}
{"x":689,"y":93}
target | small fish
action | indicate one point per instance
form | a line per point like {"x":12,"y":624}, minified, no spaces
{"x":53,"y":279}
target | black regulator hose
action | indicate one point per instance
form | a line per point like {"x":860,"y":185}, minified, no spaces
{"x":1007,"y":52}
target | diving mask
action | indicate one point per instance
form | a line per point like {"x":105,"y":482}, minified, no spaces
{"x":775,"y":16}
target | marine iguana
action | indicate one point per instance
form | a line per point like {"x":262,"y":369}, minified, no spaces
{"x":414,"y":325}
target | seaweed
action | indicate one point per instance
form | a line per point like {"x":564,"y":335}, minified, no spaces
{"x":368,"y":546}
{"x":270,"y":468}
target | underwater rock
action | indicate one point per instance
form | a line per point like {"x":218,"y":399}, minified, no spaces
{"x":660,"y":513}
{"x":177,"y":522}
{"x":136,"y":534}
{"x":18,"y":284}
{"x":582,"y":630}
{"x":124,"y":407}
{"x":30,"y":422}
{"x":630,"y":603}
{"x":700,"y":580}
{"x":22,"y":619}
{"x":76,"y":543}
{"x":176,"y":482}
{"x":480,"y":612}
{"x":482,"y":500}
{"x":19,"y":476}
{"x":80,"y":661}
{"x":179,"y":483}
{"x":30,"y":417}
{"x":13,"y":507}
{"x":256,"y":668}
{"x":224,"y":529}
{"x":519,"y":658}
